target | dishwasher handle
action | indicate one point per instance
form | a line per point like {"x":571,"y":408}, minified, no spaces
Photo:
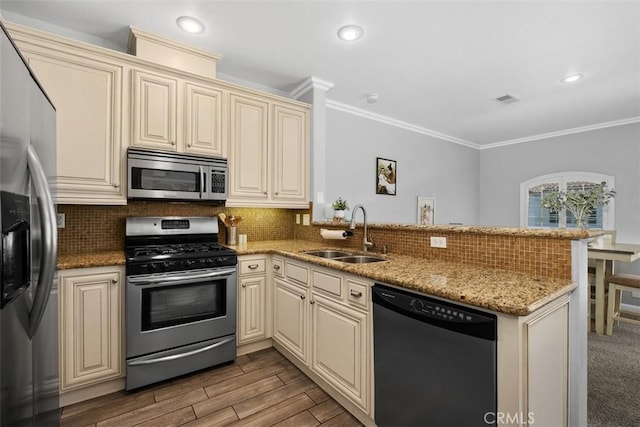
{"x":441,"y":314}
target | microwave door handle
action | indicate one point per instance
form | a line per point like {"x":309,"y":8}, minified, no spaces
{"x":202,"y":181}
{"x":49,"y":236}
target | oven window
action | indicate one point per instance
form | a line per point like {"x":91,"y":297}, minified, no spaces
{"x":175,"y":305}
{"x":166,"y":180}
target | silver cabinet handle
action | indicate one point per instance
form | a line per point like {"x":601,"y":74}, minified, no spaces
{"x":356,"y":294}
{"x":201,"y":182}
{"x":49,"y":236}
{"x":253,"y":266}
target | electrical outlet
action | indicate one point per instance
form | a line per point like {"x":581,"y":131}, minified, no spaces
{"x":297,"y":218}
{"x":438,"y":242}
{"x":306,"y":219}
{"x":60,"y":220}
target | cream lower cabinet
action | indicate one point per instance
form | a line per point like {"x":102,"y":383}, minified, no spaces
{"x":85,"y":85}
{"x":253,"y":300}
{"x":90,"y":325}
{"x":322,"y":318}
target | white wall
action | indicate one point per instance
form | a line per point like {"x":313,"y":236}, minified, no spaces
{"x":426,"y":167}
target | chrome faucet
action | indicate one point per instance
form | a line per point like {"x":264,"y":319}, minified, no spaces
{"x":352,"y":226}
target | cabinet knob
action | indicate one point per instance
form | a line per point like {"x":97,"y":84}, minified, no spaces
{"x":253,"y":266}
{"x":114,"y":281}
{"x":244,"y":285}
{"x":276,"y":193}
{"x":302,"y":297}
{"x":312,"y":302}
{"x":356,"y":294}
{"x":276,"y":267}
{"x":116,"y":185}
{"x":264,"y":192}
{"x":173,"y":143}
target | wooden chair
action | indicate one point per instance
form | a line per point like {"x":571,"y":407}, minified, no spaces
{"x":616,"y":284}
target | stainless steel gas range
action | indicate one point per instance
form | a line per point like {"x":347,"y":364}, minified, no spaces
{"x":180,"y":298}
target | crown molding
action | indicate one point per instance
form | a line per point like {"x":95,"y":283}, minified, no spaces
{"x":311,"y":83}
{"x":572,"y":131}
{"x":334,"y":105}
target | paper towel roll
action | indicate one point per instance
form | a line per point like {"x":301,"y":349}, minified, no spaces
{"x":333,"y":234}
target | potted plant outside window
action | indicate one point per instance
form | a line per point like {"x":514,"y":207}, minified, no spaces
{"x":579,"y":202}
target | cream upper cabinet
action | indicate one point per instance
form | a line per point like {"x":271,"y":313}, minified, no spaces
{"x":155,"y":114}
{"x":175,"y":114}
{"x":90,"y":320}
{"x":248,"y":148}
{"x":85,"y":86}
{"x":289,"y":170}
{"x":203,"y":120}
{"x":268,"y":152}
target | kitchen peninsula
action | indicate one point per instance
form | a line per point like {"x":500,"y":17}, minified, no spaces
{"x":528,"y":278}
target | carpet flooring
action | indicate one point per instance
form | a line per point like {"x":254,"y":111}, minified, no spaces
{"x":614,"y":377}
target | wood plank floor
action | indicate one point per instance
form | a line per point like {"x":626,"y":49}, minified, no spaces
{"x":258,"y":389}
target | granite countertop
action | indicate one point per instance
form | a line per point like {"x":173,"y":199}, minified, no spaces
{"x":498,"y":290}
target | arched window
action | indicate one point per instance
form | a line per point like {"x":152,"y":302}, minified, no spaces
{"x":533,"y":214}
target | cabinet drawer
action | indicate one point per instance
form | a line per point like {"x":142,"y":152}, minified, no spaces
{"x":297,"y":272}
{"x":358,"y":294}
{"x":278,"y":267}
{"x":251,"y":266}
{"x":327,"y":282}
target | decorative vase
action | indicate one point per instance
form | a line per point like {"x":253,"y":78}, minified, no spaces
{"x":338,"y":214}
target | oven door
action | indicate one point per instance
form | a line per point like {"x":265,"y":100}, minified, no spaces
{"x":169,"y":310}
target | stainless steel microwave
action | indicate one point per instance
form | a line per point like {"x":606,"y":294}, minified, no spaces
{"x":176,"y":176}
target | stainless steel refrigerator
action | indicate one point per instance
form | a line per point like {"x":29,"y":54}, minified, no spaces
{"x":28,"y":301}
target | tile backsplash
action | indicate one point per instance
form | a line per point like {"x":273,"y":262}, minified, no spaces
{"x":101,"y":228}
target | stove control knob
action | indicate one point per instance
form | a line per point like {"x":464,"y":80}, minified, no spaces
{"x":166,"y":264}
{"x":153,"y":266}
{"x":210,"y":261}
{"x":417,"y":305}
{"x":222,"y":259}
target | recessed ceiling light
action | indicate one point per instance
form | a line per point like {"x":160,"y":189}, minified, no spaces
{"x":350,"y":33}
{"x":572,"y":78}
{"x":372,"y":98}
{"x":190,"y":24}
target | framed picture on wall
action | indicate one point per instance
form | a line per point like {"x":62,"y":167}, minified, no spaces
{"x":386,"y":174}
{"x":426,"y":210}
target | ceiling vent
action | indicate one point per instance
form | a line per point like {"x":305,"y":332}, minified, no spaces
{"x":507,"y":99}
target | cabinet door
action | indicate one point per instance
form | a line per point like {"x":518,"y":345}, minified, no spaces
{"x":248,"y":148}
{"x":203,"y":120}
{"x":340,"y":348}
{"x":290,"y":318}
{"x":154,"y":118}
{"x":87,"y":95}
{"x":251,"y":311}
{"x":290,"y":153}
{"x":90,"y":326}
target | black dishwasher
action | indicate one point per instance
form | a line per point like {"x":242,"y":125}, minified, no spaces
{"x":435,"y":361}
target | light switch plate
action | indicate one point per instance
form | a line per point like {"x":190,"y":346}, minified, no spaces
{"x":297,"y":218}
{"x":438,"y":242}
{"x":60,"y":220}
{"x":306,"y":220}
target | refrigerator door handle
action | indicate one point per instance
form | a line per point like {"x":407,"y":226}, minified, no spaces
{"x":49,"y":235}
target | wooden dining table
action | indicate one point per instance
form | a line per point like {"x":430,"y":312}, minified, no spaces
{"x":604,"y":253}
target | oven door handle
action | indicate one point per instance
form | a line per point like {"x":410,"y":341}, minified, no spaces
{"x":146,"y":279}
{"x":180,"y":355}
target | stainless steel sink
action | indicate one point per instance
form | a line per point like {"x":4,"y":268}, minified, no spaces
{"x":359,"y":259}
{"x":328,"y":253}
